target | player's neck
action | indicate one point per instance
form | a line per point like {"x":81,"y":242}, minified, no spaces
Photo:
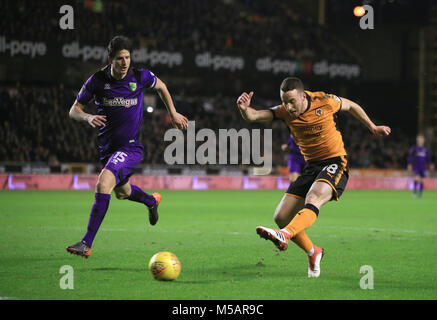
{"x":305,"y":104}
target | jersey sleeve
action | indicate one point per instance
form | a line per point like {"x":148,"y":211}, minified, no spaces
{"x":335,"y":102}
{"x":148,"y":79}
{"x":86,"y":93}
{"x":278,"y":112}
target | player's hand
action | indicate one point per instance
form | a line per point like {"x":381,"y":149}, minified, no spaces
{"x":284,"y":147}
{"x":179,"y":121}
{"x":381,"y":131}
{"x":96,"y":120}
{"x":243,"y":101}
{"x":410,"y":167}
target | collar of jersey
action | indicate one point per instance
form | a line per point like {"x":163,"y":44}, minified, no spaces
{"x":107,"y":70}
{"x":309,"y":103}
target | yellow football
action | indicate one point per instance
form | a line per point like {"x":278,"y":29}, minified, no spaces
{"x":165,"y":266}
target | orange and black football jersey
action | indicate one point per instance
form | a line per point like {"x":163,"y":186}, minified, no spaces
{"x":315,"y":131}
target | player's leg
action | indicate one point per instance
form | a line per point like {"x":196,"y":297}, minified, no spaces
{"x":419,"y":185}
{"x":329,"y":185}
{"x":319,"y":193}
{"x":289,"y":206}
{"x":105,"y":185}
{"x":415,"y":185}
{"x":123,"y":167}
{"x":132,"y":192}
{"x":292,"y":202}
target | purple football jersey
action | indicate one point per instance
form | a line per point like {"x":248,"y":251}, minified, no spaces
{"x":296,"y":162}
{"x":294,"y":150}
{"x":419,"y":157}
{"x":121,"y":101}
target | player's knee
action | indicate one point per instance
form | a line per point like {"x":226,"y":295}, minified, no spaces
{"x":103,"y":186}
{"x":318,"y":197}
{"x":106,"y":182}
{"x":315,"y":199}
{"x":312,"y":197}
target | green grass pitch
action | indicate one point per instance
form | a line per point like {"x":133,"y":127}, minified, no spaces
{"x":213,"y":234}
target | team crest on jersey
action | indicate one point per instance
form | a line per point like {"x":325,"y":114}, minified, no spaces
{"x":107,"y":86}
{"x":319,"y":111}
{"x":133,"y":86}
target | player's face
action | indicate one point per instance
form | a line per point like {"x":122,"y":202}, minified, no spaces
{"x":295,"y":102}
{"x":420,"y":141}
{"x":120,"y":63}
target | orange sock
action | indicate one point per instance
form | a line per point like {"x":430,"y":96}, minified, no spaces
{"x":302,"y":240}
{"x":303,"y":219}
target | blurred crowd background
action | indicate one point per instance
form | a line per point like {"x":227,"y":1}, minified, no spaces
{"x":252,"y":27}
{"x":35,"y":126}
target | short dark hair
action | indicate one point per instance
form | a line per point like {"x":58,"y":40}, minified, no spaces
{"x":119,"y":43}
{"x":291,"y":83}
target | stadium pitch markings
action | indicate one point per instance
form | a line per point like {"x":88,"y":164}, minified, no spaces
{"x":432,"y":233}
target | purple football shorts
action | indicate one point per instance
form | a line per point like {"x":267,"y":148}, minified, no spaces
{"x":123,"y":162}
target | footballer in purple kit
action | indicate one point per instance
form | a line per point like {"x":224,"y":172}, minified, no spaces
{"x":419,"y":159}
{"x":117,"y":90}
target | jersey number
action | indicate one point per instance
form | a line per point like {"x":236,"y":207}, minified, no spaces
{"x":119,"y":157}
{"x":331,"y":168}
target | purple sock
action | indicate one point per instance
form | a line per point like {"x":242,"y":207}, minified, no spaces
{"x":139,"y":195}
{"x":416,"y":184}
{"x":98,"y":212}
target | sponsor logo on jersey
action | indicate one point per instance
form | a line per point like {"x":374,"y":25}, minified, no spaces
{"x":119,"y":102}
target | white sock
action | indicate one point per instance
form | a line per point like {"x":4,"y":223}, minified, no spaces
{"x":311,"y":252}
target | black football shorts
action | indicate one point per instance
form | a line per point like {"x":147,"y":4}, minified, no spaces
{"x":334,"y":171}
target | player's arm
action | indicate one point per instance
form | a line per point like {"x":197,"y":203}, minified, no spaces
{"x":250,"y":114}
{"x":77,"y":113}
{"x":178,"y":120}
{"x":360,"y":114}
